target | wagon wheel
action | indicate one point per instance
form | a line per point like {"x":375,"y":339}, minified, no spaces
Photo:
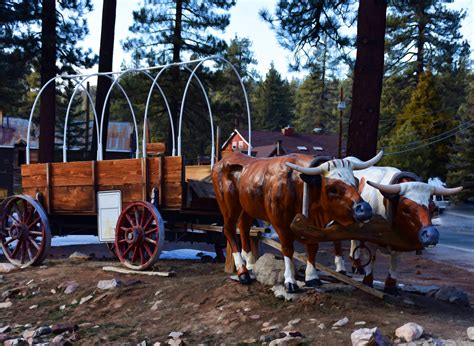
{"x":139,"y":235}
{"x":25,"y":235}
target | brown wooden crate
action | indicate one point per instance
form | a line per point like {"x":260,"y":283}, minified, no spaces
{"x":197,"y":172}
{"x":173,"y":182}
{"x":33,"y":175}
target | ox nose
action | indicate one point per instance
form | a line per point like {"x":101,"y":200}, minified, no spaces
{"x":428,"y":236}
{"x":362,"y":211}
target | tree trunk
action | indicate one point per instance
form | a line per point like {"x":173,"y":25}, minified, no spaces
{"x":106,"y":53}
{"x":368,"y":75}
{"x":48,"y":71}
{"x":175,"y":72}
{"x":420,"y":44}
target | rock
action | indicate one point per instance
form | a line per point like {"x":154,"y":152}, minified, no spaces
{"x":58,"y":339}
{"x":5,"y":305}
{"x":1,"y":279}
{"x":28,"y":325}
{"x":249,"y":341}
{"x":53,"y":291}
{"x":321,"y":326}
{"x":341,"y":322}
{"x":79,"y":256}
{"x":366,"y":336}
{"x":60,"y":328}
{"x":4,"y":337}
{"x":62,"y":307}
{"x":5,"y":329}
{"x":269,"y":270}
{"x":28,"y":334}
{"x":45,"y":330}
{"x":266,"y":338}
{"x":280,"y":292}
{"x":287,"y":340}
{"x":360,"y":323}
{"x":255,"y":317}
{"x":409,"y":331}
{"x":7,"y":267}
{"x":85,"y":299}
{"x":452,"y":295}
{"x":294,"y":322}
{"x":32,"y":307}
{"x":470,"y":333}
{"x":155,"y":305}
{"x":71,"y":287}
{"x":175,"y":342}
{"x":74,"y":302}
{"x":175,"y":335}
{"x":11,"y":292}
{"x":157,"y":293}
{"x":270,"y":328}
{"x":16,"y":342}
{"x":109,"y":284}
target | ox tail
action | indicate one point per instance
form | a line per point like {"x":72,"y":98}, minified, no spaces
{"x":222,"y":172}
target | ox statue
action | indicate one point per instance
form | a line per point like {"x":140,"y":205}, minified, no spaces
{"x":405,"y":202}
{"x":271,"y":189}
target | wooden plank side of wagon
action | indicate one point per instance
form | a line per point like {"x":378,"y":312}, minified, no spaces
{"x":173,"y":182}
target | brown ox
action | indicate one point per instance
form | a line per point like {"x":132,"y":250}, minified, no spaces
{"x":406,"y":203}
{"x":272,"y":190}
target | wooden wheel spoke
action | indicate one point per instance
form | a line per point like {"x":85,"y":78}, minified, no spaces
{"x":125,"y":228}
{"x":121,"y":241}
{"x":37,"y":233}
{"x":148,"y":250}
{"x":153,"y":230}
{"x":130,"y":220}
{"x":15,"y":220}
{"x":154,"y":242}
{"x":33,"y":242}
{"x":148,"y":222}
{"x":17,"y":248}
{"x":142,"y":221}
{"x":134,"y":256}
{"x":142,"y":258}
{"x":125,"y":253}
{"x":135,"y":211}
{"x":30,"y":254}
{"x":8,"y":242}
{"x":22,"y":252}
{"x":38,"y":219}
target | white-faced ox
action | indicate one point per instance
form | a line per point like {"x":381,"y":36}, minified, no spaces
{"x":405,"y":202}
{"x":271,"y":189}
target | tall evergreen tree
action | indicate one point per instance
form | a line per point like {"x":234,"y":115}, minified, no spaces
{"x":273,"y":103}
{"x":416,"y":141}
{"x":164,"y":31}
{"x":421,"y":34}
{"x":228,"y":100}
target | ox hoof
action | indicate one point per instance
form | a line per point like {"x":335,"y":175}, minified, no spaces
{"x":245,"y":279}
{"x":291,"y":288}
{"x":313,"y":283}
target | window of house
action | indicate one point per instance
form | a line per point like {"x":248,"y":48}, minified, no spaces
{"x":318,"y":148}
{"x":241,"y":144}
{"x":234,"y":145}
{"x":301,"y":148}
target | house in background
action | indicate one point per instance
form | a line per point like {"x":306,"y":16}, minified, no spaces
{"x":275,"y":143}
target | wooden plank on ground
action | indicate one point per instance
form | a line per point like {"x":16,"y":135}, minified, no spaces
{"x":128,"y":271}
{"x":302,"y":258}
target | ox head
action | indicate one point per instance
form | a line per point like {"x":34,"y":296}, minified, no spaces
{"x":413,"y":209}
{"x":338,"y":194}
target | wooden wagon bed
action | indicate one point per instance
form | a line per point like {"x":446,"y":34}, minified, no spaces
{"x":71,"y":187}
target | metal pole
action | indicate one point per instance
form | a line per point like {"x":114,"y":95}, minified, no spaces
{"x":218,"y":135}
{"x":87,"y":116}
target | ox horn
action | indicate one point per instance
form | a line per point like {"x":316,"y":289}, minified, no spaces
{"x":366,"y":164}
{"x":395,"y":188}
{"x":444,"y":191}
{"x":306,"y":170}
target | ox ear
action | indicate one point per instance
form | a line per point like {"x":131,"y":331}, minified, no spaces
{"x":313,"y":180}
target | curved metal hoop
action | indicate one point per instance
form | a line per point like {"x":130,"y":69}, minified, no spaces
{"x":360,"y":248}
{"x":249,"y":150}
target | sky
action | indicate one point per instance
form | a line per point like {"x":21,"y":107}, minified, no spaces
{"x":244,"y":22}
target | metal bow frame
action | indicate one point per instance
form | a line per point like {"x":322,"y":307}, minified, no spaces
{"x":115,"y":77}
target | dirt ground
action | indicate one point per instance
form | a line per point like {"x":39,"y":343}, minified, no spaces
{"x":203,"y":303}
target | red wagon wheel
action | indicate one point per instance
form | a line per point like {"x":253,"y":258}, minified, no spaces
{"x":139,"y":235}
{"x":25,"y":235}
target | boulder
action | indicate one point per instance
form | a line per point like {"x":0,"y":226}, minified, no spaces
{"x":470,"y":333}
{"x":15,"y":342}
{"x":269,"y":270}
{"x":79,"y":256}
{"x":5,"y":305}
{"x":409,"y":332}
{"x":5,"y":329}
{"x":109,"y":284}
{"x":7,"y":267}
{"x":367,"y":336}
{"x":452,"y":295}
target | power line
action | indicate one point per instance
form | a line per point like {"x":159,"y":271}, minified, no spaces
{"x":470,"y":124}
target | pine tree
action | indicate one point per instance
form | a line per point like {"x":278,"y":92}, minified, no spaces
{"x":416,"y":141}
{"x":421,"y":34}
{"x":227,"y":99}
{"x":273,"y":104}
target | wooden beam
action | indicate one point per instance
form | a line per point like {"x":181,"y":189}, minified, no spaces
{"x":302,"y":258}
{"x":48,"y":187}
{"x":94,"y":187}
{"x":254,"y":231}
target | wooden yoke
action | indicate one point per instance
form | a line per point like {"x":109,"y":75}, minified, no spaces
{"x":378,"y":231}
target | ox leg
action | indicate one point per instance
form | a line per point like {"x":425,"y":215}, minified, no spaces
{"x":369,"y":270}
{"x":355,"y":258}
{"x":230,"y":234}
{"x":339,"y":259}
{"x":245,"y":223}
{"x":311,"y":275}
{"x":391,"y":280}
{"x":287,"y":249}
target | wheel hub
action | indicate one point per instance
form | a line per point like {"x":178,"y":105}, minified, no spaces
{"x":135,"y":235}
{"x":19,"y":231}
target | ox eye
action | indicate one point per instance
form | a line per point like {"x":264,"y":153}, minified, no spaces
{"x":406,"y":210}
{"x":332,"y":190}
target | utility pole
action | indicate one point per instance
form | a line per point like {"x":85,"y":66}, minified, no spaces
{"x":341,"y":106}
